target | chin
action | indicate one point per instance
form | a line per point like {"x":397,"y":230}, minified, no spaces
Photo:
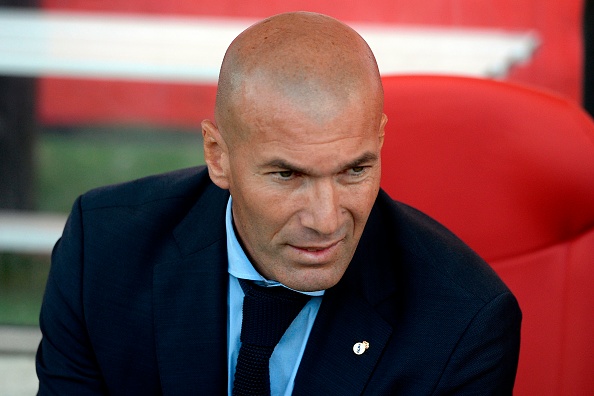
{"x":314,"y":279}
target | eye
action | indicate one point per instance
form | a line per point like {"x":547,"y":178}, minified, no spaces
{"x":357,"y":171}
{"x":287,"y":174}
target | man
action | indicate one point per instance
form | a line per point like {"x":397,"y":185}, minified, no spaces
{"x":146,"y":289}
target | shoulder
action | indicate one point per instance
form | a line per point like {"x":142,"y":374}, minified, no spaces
{"x":148,"y":210}
{"x":176,"y":185}
{"x":429,"y":254}
{"x":117,"y":233}
{"x":447,"y":308}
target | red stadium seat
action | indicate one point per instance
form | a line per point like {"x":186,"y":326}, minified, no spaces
{"x":510,"y":170}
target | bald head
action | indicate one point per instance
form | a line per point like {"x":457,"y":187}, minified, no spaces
{"x":312,"y":61}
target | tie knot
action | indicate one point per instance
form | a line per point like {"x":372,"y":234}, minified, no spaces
{"x":277,"y":293}
{"x":268,"y":312}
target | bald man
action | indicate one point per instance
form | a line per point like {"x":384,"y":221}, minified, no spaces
{"x":146,"y":289}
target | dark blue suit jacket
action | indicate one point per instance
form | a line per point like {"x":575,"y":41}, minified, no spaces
{"x":136,"y":303}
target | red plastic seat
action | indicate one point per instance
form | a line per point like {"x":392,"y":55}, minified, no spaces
{"x":510,"y":170}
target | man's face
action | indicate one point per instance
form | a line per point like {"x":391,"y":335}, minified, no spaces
{"x":303,"y":184}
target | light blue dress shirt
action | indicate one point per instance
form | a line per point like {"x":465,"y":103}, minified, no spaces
{"x":286,"y":357}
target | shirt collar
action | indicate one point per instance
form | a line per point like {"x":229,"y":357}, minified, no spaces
{"x":238,"y":263}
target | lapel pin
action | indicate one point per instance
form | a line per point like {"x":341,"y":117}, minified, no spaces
{"x":360,"y":347}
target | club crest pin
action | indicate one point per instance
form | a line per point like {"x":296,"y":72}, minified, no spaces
{"x":360,"y":347}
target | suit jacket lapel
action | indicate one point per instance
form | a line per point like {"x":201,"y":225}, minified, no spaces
{"x":329,"y":364}
{"x":348,"y":315}
{"x":191,"y":324}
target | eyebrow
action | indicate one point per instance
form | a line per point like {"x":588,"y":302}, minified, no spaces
{"x":282,"y":164}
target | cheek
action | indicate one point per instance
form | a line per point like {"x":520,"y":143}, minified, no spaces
{"x":263,"y":212}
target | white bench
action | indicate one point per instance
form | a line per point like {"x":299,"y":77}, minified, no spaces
{"x":30,"y":232}
{"x":43,"y":43}
{"x":17,"y":360}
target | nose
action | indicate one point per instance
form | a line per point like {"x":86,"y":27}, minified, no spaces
{"x":322,"y":209}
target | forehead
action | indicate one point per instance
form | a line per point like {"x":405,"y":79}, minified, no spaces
{"x":315,"y":96}
{"x":317,"y":134}
{"x":267,"y":102}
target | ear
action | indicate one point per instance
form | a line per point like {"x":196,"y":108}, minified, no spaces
{"x":216,"y":154}
{"x":382,"y":131}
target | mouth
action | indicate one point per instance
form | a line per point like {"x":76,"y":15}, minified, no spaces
{"x":317,"y":252}
{"x":316,"y":248}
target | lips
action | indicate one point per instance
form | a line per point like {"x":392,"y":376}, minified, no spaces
{"x":317,"y":253}
{"x":317,"y":248}
{"x":313,"y":250}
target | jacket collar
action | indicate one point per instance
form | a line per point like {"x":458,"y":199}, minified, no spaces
{"x":190,"y":301}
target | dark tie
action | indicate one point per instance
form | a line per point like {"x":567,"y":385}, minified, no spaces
{"x":267,"y":313}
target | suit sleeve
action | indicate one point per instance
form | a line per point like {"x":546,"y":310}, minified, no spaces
{"x":486,"y":358}
{"x":65,"y":361}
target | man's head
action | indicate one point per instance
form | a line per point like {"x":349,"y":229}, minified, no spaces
{"x":297,"y":139}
